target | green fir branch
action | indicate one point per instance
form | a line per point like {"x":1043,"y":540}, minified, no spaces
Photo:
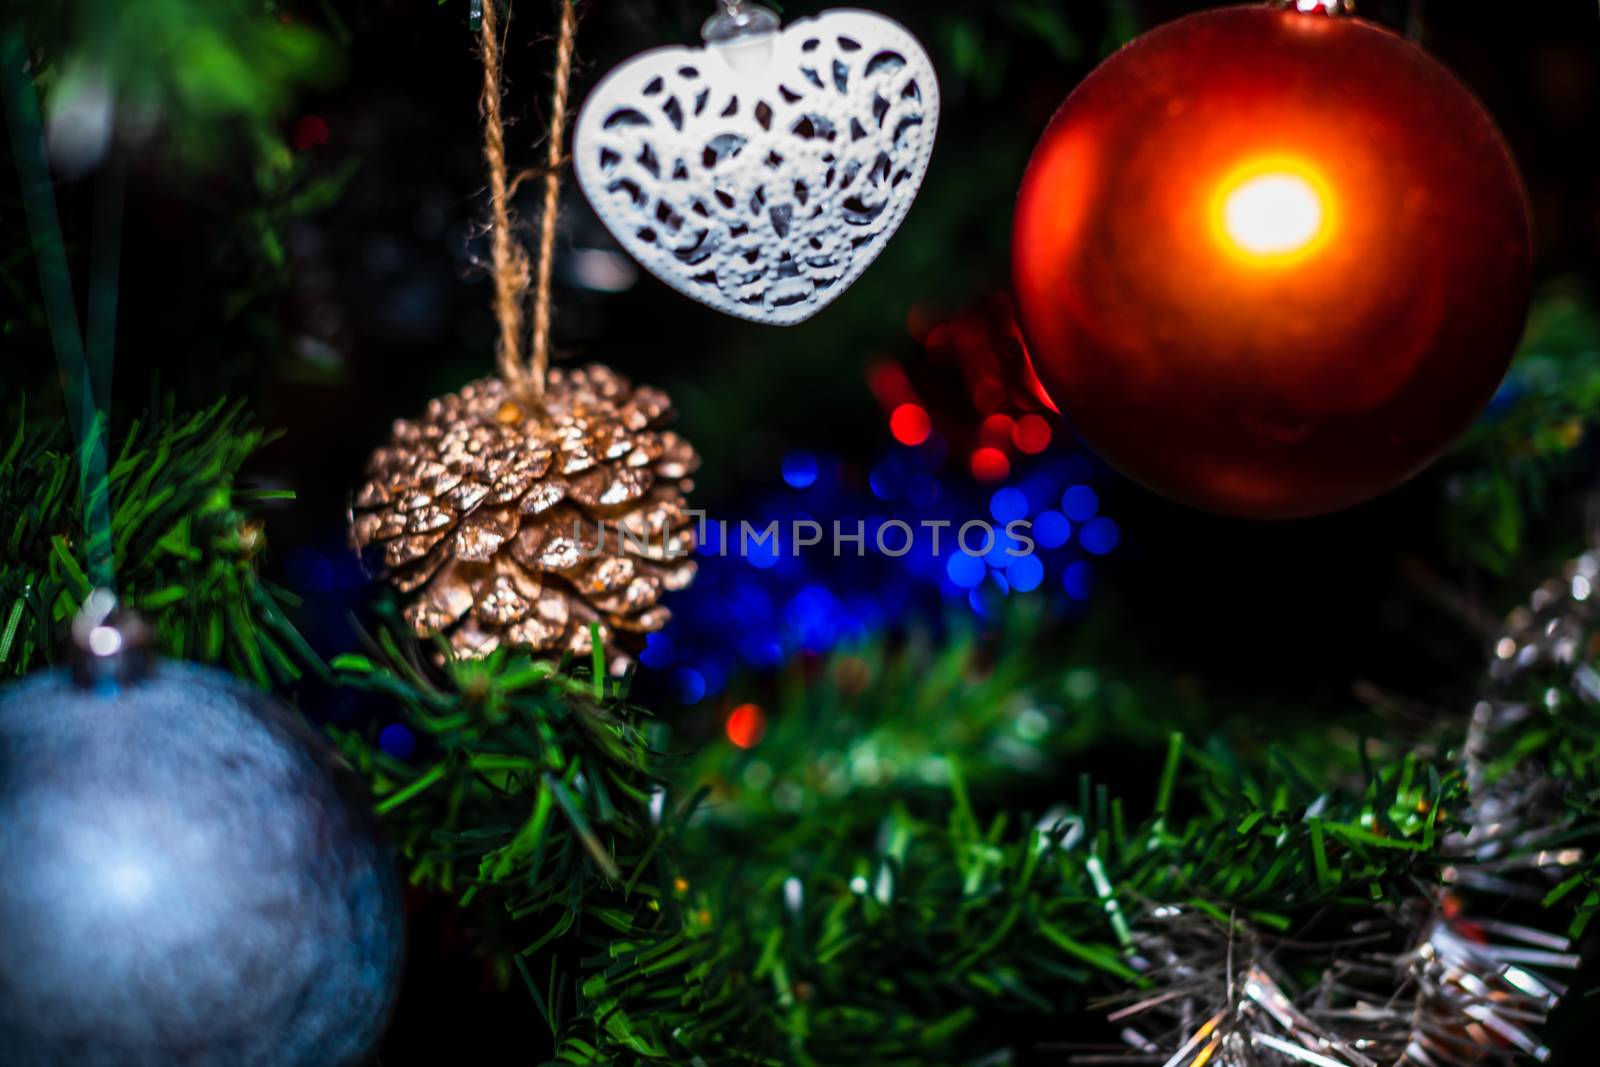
{"x":185,"y":543}
{"x":202,"y":71}
{"x":1502,"y":476}
{"x":899,"y":939}
{"x":897,"y":921}
{"x":531,"y":798}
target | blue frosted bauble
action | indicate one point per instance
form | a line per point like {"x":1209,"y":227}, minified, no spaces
{"x":191,"y":877}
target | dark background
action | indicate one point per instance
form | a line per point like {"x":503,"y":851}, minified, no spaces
{"x":382,"y":303}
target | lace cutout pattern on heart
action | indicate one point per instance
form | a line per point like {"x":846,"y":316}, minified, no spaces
{"x":763,"y":193}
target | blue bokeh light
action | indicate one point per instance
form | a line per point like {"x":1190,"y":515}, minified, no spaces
{"x":1079,"y":581}
{"x":713,"y":539}
{"x":713,"y":676}
{"x":1080,"y":503}
{"x":1025,"y":573}
{"x":398,"y":741}
{"x":800,"y":470}
{"x":1008,"y":505}
{"x":1005,"y":546}
{"x":1100,"y":536}
{"x":966,"y":571}
{"x":1051,"y":530}
{"x":690,"y":684}
{"x":757,"y":605}
{"x":760,"y":552}
{"x":659,"y":651}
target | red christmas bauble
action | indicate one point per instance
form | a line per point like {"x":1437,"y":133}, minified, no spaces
{"x":1270,"y":264}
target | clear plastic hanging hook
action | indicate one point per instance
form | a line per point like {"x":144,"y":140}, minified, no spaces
{"x":743,"y":33}
{"x":737,"y":21}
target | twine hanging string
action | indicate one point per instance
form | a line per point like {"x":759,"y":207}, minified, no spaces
{"x":539,"y":359}
{"x":511,"y":270}
{"x":510,"y":262}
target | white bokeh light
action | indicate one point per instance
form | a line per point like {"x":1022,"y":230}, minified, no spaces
{"x":105,"y":641}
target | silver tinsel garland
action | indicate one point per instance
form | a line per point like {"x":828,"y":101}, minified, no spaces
{"x":1461,"y":990}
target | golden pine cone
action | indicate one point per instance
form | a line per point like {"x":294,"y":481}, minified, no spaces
{"x":507,"y":529}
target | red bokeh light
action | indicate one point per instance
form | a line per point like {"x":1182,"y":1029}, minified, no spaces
{"x":746,"y":725}
{"x":990,"y":465}
{"x":910,"y":424}
{"x":309,"y":132}
{"x":889,"y":384}
{"x":997,"y":430}
{"x":1031,"y":434}
{"x":989,"y":394}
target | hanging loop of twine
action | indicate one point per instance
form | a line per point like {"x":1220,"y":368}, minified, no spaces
{"x":512,"y":274}
{"x":539,"y":359}
{"x":510,"y":261}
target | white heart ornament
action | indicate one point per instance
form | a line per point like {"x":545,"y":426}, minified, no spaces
{"x":762,"y":176}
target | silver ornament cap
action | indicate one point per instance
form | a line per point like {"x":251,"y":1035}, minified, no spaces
{"x":109,"y":647}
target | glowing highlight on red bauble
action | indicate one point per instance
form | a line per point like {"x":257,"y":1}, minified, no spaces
{"x":1274,"y":213}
